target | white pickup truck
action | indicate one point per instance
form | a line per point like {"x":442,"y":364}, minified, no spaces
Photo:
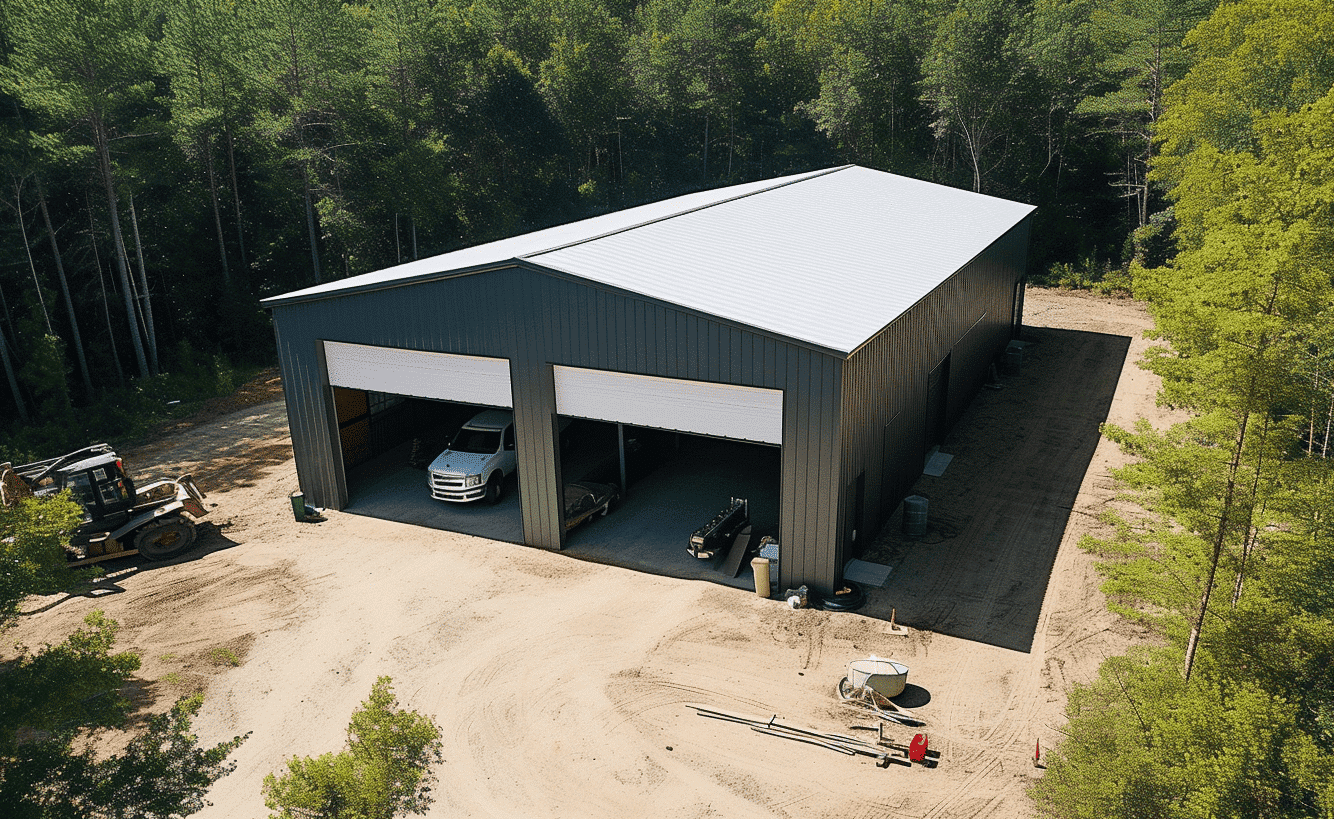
{"x":478,"y":460}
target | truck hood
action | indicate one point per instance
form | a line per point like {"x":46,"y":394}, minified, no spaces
{"x":461,"y":463}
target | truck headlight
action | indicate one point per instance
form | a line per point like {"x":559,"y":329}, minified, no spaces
{"x":473,"y":480}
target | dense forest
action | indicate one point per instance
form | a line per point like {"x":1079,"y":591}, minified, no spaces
{"x":1226,"y":555}
{"x":167,"y":163}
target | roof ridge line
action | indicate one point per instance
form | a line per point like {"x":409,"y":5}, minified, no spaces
{"x":811,"y":175}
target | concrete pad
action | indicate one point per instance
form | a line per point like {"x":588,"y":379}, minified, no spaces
{"x":866,"y":574}
{"x":936,"y":464}
{"x":648,"y":531}
{"x":388,"y":489}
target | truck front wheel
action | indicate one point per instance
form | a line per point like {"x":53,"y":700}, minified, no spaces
{"x":165,"y":539}
{"x":493,"y":488}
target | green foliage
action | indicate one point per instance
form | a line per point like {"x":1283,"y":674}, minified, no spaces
{"x":973,"y":77}
{"x":74,"y":683}
{"x":224,"y":656}
{"x":270,"y":144}
{"x":49,"y":696}
{"x":1139,"y":53}
{"x":385,"y":771}
{"x":45,"y":374}
{"x":1089,"y":274}
{"x":33,"y":534}
{"x":123,"y":415}
{"x":161,"y":773}
{"x":1252,"y":733}
{"x":1143,"y":743}
{"x":1231,"y":558}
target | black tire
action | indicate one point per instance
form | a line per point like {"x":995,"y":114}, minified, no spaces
{"x":851,"y":601}
{"x":845,"y":690}
{"x":165,"y":539}
{"x":493,"y":487}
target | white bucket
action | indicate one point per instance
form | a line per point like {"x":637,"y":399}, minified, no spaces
{"x":885,"y":677}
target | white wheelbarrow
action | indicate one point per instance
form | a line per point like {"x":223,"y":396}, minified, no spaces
{"x":886,"y":677}
{"x":869,"y":685}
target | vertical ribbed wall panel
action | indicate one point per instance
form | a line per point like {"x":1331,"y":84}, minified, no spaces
{"x":883,"y":403}
{"x":536,"y":320}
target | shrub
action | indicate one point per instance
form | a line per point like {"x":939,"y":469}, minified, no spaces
{"x":385,"y":771}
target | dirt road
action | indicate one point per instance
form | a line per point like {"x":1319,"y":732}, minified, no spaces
{"x":561,"y":686}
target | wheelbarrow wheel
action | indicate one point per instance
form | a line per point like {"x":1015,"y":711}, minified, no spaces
{"x":845,"y":689}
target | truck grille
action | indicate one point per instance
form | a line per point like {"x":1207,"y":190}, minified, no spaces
{"x":450,"y":482}
{"x":451,"y":488}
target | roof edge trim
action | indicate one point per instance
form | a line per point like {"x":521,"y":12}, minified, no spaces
{"x":439,"y":275}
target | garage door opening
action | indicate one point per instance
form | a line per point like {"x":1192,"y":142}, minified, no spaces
{"x":674,"y":483}
{"x":389,"y":447}
{"x":398,"y":409}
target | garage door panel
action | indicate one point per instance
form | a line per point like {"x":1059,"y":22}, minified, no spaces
{"x":442,"y":376}
{"x":722,"y":410}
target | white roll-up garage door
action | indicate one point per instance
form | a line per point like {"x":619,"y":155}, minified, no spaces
{"x":469,"y":379}
{"x":721,"y":410}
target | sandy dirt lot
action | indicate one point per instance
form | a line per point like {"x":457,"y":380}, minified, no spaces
{"x":561,"y":686}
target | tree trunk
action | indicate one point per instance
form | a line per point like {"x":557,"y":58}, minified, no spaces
{"x":13,"y":382}
{"x":1329,"y":426}
{"x":217,"y":212}
{"x":236,"y":197}
{"x":106,"y":304}
{"x":143,"y":291}
{"x":706,"y":149}
{"x":118,"y":242}
{"x":1225,"y":518}
{"x":1252,"y":531}
{"x":1220,"y":538}
{"x":64,"y":292}
{"x":731,"y":138}
{"x":23,"y":233}
{"x":310,"y":224}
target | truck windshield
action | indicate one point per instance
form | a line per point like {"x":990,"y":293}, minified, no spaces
{"x":477,"y":441}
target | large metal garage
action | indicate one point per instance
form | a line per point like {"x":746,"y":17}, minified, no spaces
{"x":839,"y":320}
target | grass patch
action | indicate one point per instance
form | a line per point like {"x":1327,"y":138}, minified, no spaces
{"x":224,"y":656}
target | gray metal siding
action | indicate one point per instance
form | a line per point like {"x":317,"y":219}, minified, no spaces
{"x":535,"y":320}
{"x":968,"y":317}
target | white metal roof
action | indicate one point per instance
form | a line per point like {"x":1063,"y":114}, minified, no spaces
{"x":828,"y":257}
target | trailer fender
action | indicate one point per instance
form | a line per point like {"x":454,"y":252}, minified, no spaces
{"x":173,"y":508}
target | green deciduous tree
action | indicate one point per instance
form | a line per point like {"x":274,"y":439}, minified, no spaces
{"x":697,"y":58}
{"x":49,"y":696}
{"x":1139,"y":49}
{"x":867,"y":58}
{"x":384,"y":772}
{"x":973,"y":77}
{"x":1231,"y":561}
{"x":203,"y":52}
{"x":585,"y":97}
{"x":307,"y":63}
